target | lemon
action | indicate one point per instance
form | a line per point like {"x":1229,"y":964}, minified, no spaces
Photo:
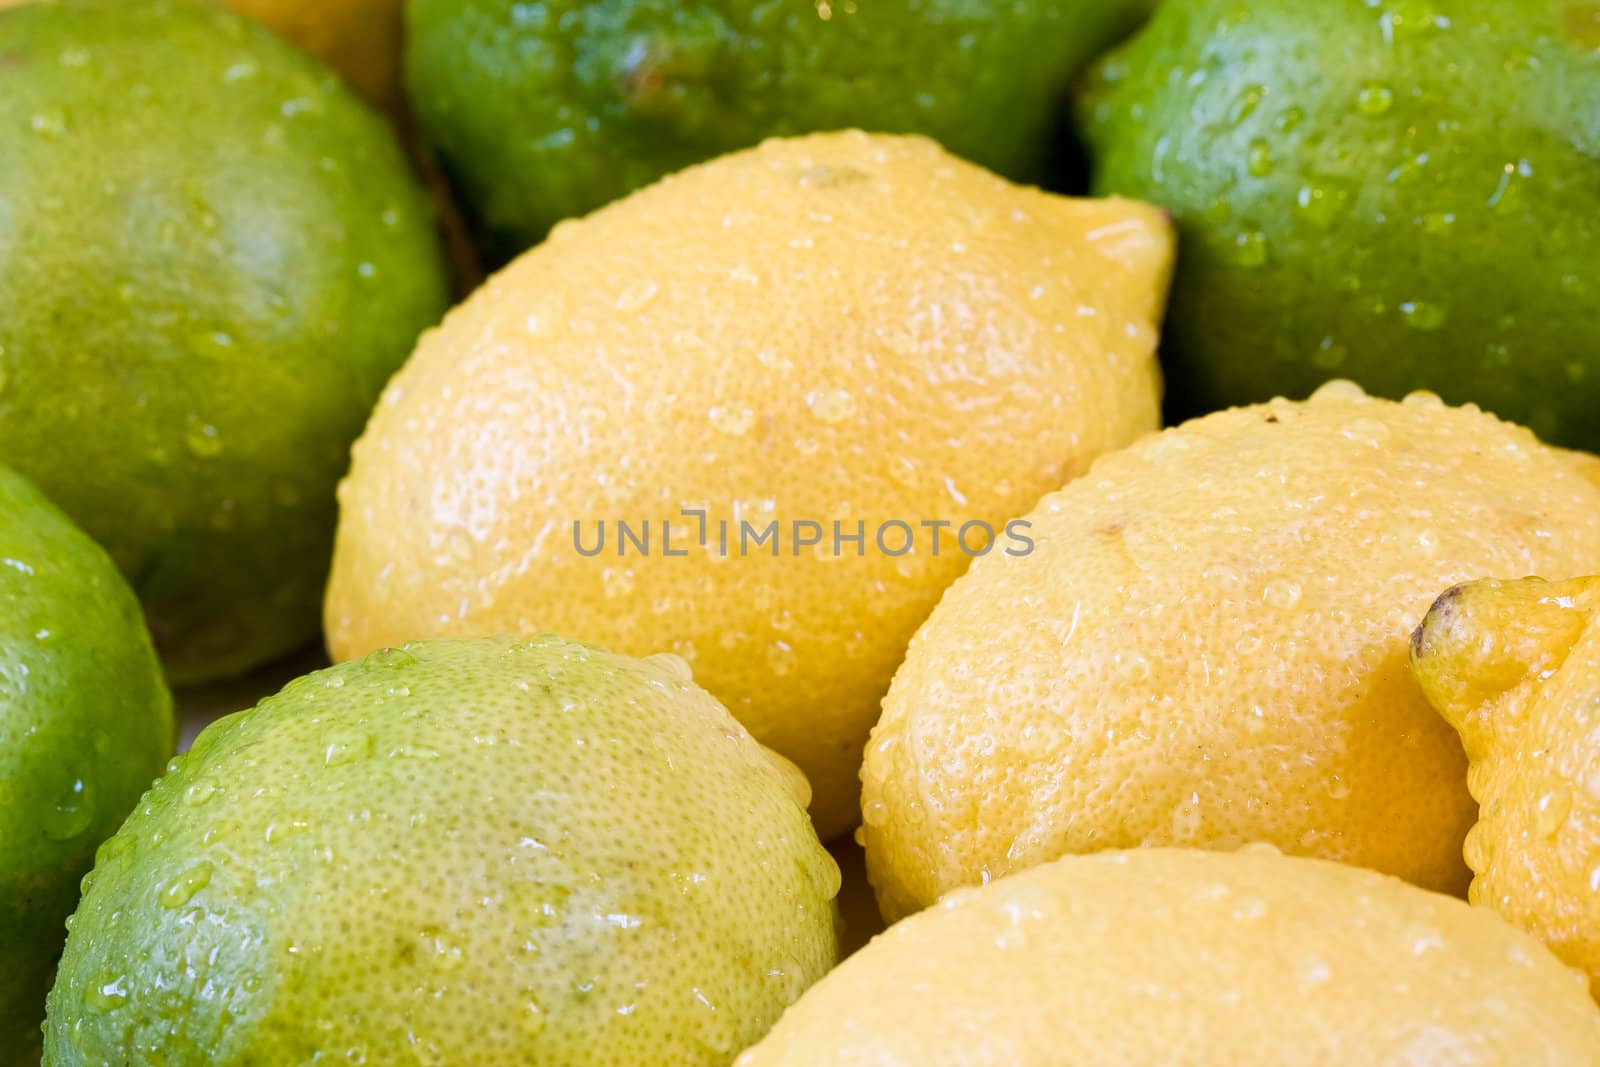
{"x":1173,"y":956}
{"x":1514,"y":666}
{"x":840,"y":329}
{"x":1208,"y":648}
{"x":485,"y":852}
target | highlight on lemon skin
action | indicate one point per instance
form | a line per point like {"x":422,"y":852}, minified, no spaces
{"x":1514,"y":667}
{"x":1184,"y":956}
{"x":846,"y":329}
{"x":1208,"y":645}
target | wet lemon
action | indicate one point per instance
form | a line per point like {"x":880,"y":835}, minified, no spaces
{"x":481,"y":852}
{"x":1514,"y":667}
{"x":1187,"y":957}
{"x":1208,"y":647}
{"x":857,"y":340}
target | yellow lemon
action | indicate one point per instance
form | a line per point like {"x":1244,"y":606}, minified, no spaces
{"x":1208,"y":647}
{"x":1172,"y":956}
{"x":1514,"y":666}
{"x":843,"y":337}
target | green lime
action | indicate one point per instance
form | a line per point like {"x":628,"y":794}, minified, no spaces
{"x":85,"y":725}
{"x":1402,"y":192}
{"x":544,"y":111}
{"x":459,"y":852}
{"x":212,"y":255}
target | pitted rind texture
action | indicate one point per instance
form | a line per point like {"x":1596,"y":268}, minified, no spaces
{"x":1208,"y":647}
{"x":1192,"y":957}
{"x":841,"y":328}
{"x":1514,"y":667}
{"x":86,"y":723}
{"x":486,"y":852}
{"x":214,"y":256}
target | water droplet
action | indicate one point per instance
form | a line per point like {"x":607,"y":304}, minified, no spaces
{"x":781,"y":658}
{"x":1249,"y":249}
{"x":391,"y":658}
{"x":903,"y":469}
{"x":343,"y":747}
{"x":279,"y":831}
{"x":617,"y":581}
{"x":1421,"y":315}
{"x":1131,"y":665}
{"x":1330,"y":355}
{"x":1248,"y":909}
{"x":734,"y":420}
{"x":1186,"y":820}
{"x":637,"y":295}
{"x":202,"y":438}
{"x":1374,"y":98}
{"x":1258,"y":158}
{"x":1423,"y":939}
{"x":1435,"y":223}
{"x":1370,"y":432}
{"x":199,"y":793}
{"x":106,"y":994}
{"x":49,"y":122}
{"x":831,"y":405}
{"x":413,"y":752}
{"x":1042,"y":739}
{"x":1551,"y":810}
{"x":1338,"y":788}
{"x":1281,"y":593}
{"x":1478,"y":849}
{"x":180,"y":889}
{"x":1339,"y":389}
{"x":1322,"y":204}
{"x":1314,"y":970}
{"x":1246,"y":103}
{"x":72,"y":813}
{"x":672,"y":664}
{"x":532,"y":1021}
{"x":1290,"y":118}
{"x":442,"y":952}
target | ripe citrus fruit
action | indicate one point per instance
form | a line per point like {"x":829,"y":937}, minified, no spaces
{"x":1208,"y":648}
{"x":85,"y":725}
{"x":1174,"y":956}
{"x":842,"y":329}
{"x":1514,"y":667}
{"x":1402,"y":192}
{"x":545,"y":111}
{"x":482,"y":852}
{"x":361,"y":39}
{"x":214,"y":255}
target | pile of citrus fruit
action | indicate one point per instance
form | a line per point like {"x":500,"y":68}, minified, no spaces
{"x":718,"y":446}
